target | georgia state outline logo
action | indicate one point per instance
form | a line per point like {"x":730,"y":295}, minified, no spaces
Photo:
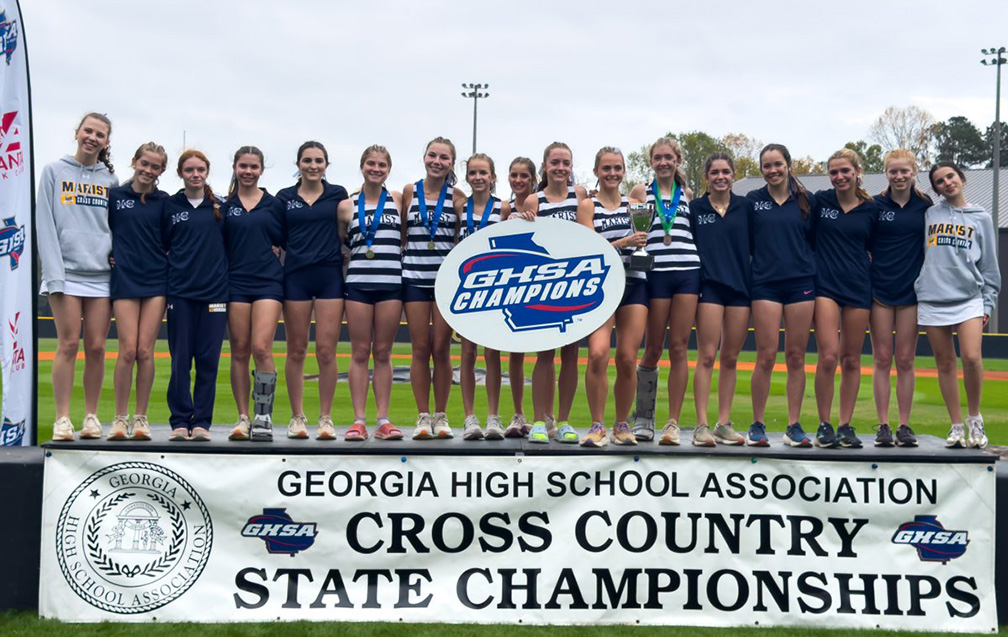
{"x":133,"y":537}
{"x":12,"y":242}
{"x":934,"y":543}
{"x":8,"y":36}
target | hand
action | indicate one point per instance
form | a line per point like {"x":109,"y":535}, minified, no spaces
{"x":637,"y":240}
{"x":111,"y":260}
{"x":986,"y":319}
{"x":276,"y":251}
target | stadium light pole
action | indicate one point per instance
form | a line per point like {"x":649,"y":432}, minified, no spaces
{"x":996,"y":59}
{"x":474,"y":92}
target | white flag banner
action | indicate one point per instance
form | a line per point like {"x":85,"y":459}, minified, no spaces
{"x":540,"y":540}
{"x":16,"y":259}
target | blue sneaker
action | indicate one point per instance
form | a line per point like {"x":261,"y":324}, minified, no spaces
{"x":825,"y":437}
{"x":847,"y":437}
{"x":757,"y":435}
{"x":795,"y":436}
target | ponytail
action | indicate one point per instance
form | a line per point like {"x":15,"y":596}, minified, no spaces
{"x":796,"y":188}
{"x":105,"y":154}
{"x":209,"y":194}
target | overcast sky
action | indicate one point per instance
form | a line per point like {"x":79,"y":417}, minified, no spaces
{"x":812,"y":75}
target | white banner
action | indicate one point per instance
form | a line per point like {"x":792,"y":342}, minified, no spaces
{"x":541,"y":540}
{"x":16,"y":259}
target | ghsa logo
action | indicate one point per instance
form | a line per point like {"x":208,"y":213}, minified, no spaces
{"x":8,"y":36}
{"x":533,"y":290}
{"x":933,"y":542}
{"x":11,"y":156}
{"x":12,"y":242}
{"x":281,"y":534}
{"x":18,"y":354}
{"x":11,"y":433}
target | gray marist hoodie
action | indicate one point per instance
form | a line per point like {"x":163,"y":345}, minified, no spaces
{"x":72,"y":221}
{"x":960,"y":256}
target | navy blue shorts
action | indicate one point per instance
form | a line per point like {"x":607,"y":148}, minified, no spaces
{"x":314,"y":282}
{"x":718,"y":294}
{"x":846,"y":300}
{"x":665,"y":284}
{"x":372,"y":297}
{"x":785,"y":292}
{"x":414,"y":293}
{"x":252,"y":298}
{"x":635,"y":293}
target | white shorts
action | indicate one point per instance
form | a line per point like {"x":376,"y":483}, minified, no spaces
{"x":946,"y":314}
{"x":86,"y":289}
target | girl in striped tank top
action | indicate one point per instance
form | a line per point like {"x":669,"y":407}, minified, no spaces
{"x":429,"y":234}
{"x":673,"y":289}
{"x":557,"y":197}
{"x":521,"y":178}
{"x":371,"y":226}
{"x":606,"y":213}
{"x":477,"y":212}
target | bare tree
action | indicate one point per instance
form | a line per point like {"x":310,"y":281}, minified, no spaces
{"x":910,"y":128}
{"x":745,"y":150}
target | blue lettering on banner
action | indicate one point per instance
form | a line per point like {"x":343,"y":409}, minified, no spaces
{"x":933,"y":542}
{"x":281,"y":533}
{"x":11,"y":433}
{"x":8,"y":36}
{"x":12,"y":241}
{"x":533,"y":290}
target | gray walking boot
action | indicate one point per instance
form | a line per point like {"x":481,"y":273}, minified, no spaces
{"x":263,"y":390}
{"x":647,"y":394}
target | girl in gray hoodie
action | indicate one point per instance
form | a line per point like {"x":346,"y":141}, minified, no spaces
{"x":956,"y":292}
{"x":74,"y":247}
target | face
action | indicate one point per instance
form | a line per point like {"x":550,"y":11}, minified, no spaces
{"x":248,"y":169}
{"x":479,"y":175}
{"x":559,"y":164}
{"x":376,"y":168}
{"x":842,"y":174}
{"x":610,"y":170}
{"x":900,"y":174}
{"x":720,"y":176}
{"x":774,"y":167}
{"x":438,"y":161}
{"x":194,"y":173}
{"x":147,"y":168}
{"x":92,"y":136}
{"x":312,"y":164}
{"x":520,"y":179}
{"x":947,"y":182}
{"x":664,"y":161}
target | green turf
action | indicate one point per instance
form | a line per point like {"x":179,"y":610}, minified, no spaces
{"x":929,"y":414}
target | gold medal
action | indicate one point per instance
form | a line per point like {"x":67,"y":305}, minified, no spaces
{"x":668,"y":239}
{"x":369,"y":254}
{"x":430,"y":245}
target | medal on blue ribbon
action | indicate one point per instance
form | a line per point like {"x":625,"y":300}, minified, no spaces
{"x":432,"y":224}
{"x":487,"y":211}
{"x":369,"y":231}
{"x":666,"y":215}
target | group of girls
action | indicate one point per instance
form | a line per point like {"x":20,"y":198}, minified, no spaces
{"x":839,"y":259}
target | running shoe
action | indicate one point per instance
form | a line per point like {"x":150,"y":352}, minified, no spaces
{"x":119,"y":429}
{"x":957,"y":436}
{"x":757,"y":435}
{"x":825,"y":437}
{"x":621,"y":434}
{"x":63,"y":430}
{"x":422,"y":431}
{"x":441,"y":427}
{"x":471,"y":428}
{"x":516,"y":427}
{"x":670,"y":433}
{"x":538,"y":433}
{"x":494,"y":428}
{"x":795,"y":436}
{"x":726,"y":435}
{"x":298,"y":427}
{"x":178,"y":434}
{"x":388,"y":431}
{"x":977,"y":437}
{"x":702,"y":436}
{"x":91,"y":429}
{"x":884,"y":436}
{"x":140,"y":429}
{"x":200,"y":434}
{"x":326,"y":429}
{"x":596,"y":436}
{"x":905,"y":436}
{"x":241,"y":429}
{"x":566,"y":434}
{"x":847,"y":437}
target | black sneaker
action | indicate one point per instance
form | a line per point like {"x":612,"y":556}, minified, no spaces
{"x":825,"y":437}
{"x":847,"y":438}
{"x":884,"y":436}
{"x":905,"y":436}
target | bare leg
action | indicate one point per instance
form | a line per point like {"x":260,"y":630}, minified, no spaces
{"x":297,"y":324}
{"x":797,"y":323}
{"x":736,"y":327}
{"x":441,"y":352}
{"x":328,"y":323}
{"x":97,"y":318}
{"x":418,"y":318}
{"x":943,"y":347}
{"x":631,"y":321}
{"x":596,"y":376}
{"x":127,"y":316}
{"x":827,"y":324}
{"x":543,"y":385}
{"x":852,"y":332}
{"x":906,"y":350}
{"x":567,"y":383}
{"x":766,"y":324}
{"x":492,"y":360}
{"x":709,"y":326}
{"x":386,"y":324}
{"x":970,"y":336}
{"x":467,"y":376}
{"x":882,"y":321}
{"x":516,"y":375}
{"x":680,"y":325}
{"x":240,"y":333}
{"x":151,"y":312}
{"x":360,"y":318}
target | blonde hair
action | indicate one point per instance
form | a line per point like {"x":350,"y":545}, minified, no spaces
{"x":150,"y":147}
{"x":903,"y":154}
{"x":680,"y":175}
{"x":855,"y":160}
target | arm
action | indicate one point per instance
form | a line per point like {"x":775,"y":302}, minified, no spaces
{"x":53,"y":270}
{"x":344,"y":213}
{"x":988,"y":264}
{"x":638,"y":194}
{"x":581,"y":194}
{"x":407,"y":199}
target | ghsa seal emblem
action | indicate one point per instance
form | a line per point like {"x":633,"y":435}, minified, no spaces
{"x":133,"y":537}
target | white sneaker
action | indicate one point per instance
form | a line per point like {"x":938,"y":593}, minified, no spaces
{"x":494,"y":428}
{"x":422,"y":431}
{"x":957,"y":436}
{"x":63,"y":429}
{"x":326,"y":429}
{"x":140,"y":429}
{"x":441,"y":427}
{"x":91,"y":429}
{"x":977,"y":436}
{"x":516,"y":429}
{"x":298,"y":427}
{"x":120,"y":428}
{"x":472,"y":430}
{"x":241,"y":429}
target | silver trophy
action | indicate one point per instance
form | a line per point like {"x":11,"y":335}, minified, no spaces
{"x":641,"y":216}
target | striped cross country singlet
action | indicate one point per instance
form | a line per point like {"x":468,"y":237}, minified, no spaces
{"x":566,"y":209}
{"x":420,"y":263}
{"x":384,"y":270}
{"x":495,"y":217}
{"x":613,"y":225}
{"x":681,"y":254}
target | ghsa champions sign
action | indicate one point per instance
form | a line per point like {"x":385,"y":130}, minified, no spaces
{"x":529,"y":286}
